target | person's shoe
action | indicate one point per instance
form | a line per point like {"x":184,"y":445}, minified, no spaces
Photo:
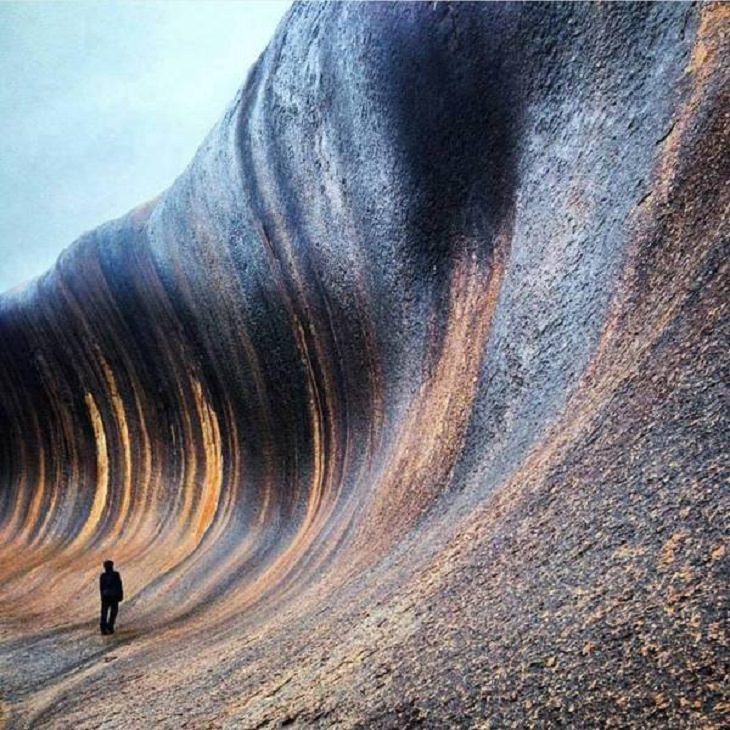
{"x":104,"y":631}
{"x":110,"y":630}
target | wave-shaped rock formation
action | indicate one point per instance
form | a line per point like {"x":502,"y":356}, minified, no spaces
{"x":405,"y":405}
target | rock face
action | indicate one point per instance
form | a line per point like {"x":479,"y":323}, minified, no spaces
{"x":405,"y":404}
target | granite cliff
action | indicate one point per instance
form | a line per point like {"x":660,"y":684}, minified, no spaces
{"x":405,"y":405}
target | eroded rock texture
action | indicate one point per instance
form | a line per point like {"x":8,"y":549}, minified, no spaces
{"x":405,"y":405}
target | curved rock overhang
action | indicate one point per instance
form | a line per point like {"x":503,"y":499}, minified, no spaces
{"x":404,"y":404}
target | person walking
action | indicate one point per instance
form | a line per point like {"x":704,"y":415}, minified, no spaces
{"x":112,"y":592}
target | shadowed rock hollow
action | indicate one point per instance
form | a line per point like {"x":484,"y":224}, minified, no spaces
{"x":405,"y":405}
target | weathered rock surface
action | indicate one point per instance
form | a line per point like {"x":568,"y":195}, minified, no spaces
{"x":405,"y":405}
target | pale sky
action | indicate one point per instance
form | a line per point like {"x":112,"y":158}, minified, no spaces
{"x":103,"y":104}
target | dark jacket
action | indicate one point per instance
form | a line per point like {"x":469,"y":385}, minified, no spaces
{"x":110,"y":586}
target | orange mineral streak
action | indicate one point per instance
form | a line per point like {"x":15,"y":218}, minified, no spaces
{"x":213,"y":464}
{"x":101,"y":487}
{"x":203,"y":478}
{"x":219,"y":519}
{"x":142,"y":508}
{"x":50,"y":509}
{"x":14,"y":524}
{"x":705,"y":61}
{"x":421,"y":461}
{"x":199,"y":493}
{"x":316,"y":422}
{"x":124,"y":476}
{"x":33,"y":518}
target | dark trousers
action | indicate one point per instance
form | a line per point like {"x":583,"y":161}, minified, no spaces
{"x":109,"y":606}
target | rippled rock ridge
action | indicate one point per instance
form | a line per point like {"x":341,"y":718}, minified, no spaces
{"x":405,"y":405}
